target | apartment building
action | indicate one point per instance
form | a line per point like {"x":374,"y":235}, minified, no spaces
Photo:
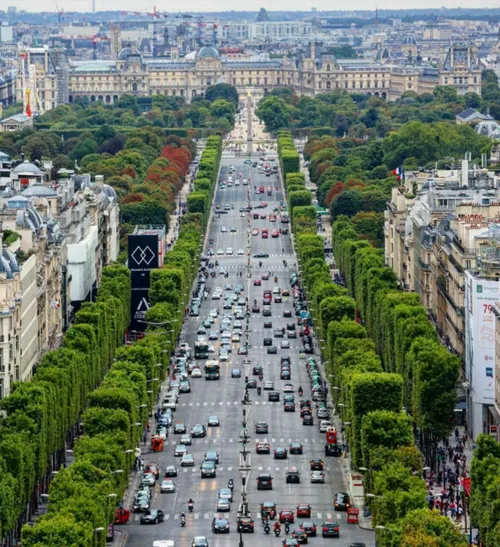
{"x":58,"y":237}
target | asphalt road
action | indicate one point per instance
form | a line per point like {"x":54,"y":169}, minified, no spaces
{"x":223,"y":398}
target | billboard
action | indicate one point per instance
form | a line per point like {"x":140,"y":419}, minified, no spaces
{"x":144,"y":255}
{"x":480,"y":297}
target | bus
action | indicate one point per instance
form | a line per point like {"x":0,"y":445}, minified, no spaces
{"x":212,"y":370}
{"x":201,"y":349}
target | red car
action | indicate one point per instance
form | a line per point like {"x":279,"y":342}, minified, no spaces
{"x":257,"y":282}
{"x":265,"y":233}
{"x":287,"y":516}
{"x":265,"y":276}
{"x":304,"y":510}
{"x":275,"y":233}
{"x":263,"y":448}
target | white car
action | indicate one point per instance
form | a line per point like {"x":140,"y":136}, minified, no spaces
{"x":180,"y":450}
{"x":196,"y":373}
{"x":288,"y":388}
{"x":216,"y":296}
{"x":223,"y":355}
{"x":229,"y":251}
{"x":214,"y":313}
{"x":324,"y":425}
{"x":236,"y":182}
{"x":241,"y":252}
{"x":223,"y":229}
{"x":167,"y":486}
{"x":220,"y":252}
{"x":235,"y":337}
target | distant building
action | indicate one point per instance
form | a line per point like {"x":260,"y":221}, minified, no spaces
{"x":17,"y":122}
{"x":471,"y":116}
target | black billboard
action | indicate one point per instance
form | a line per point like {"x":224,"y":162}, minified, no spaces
{"x":143,"y":256}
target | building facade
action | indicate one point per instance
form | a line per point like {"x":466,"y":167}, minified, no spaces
{"x":133,"y":74}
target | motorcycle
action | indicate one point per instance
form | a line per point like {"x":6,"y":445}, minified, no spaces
{"x":261,"y":377}
{"x":287,"y":528}
{"x":284,"y":263}
{"x":301,"y":391}
{"x":267,"y":529}
{"x":230,"y":484}
{"x":277,"y":531}
{"x":259,"y":390}
{"x":190,"y":507}
{"x":211,"y":240}
{"x":183,"y":521}
{"x":276,"y":279}
{"x":260,"y":264}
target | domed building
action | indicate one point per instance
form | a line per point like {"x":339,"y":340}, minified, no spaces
{"x":207,"y":52}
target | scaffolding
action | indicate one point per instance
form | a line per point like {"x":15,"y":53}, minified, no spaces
{"x":488,"y":258}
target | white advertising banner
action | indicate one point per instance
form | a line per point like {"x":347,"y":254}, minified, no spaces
{"x":480,"y":296}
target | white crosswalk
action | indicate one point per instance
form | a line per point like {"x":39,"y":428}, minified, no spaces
{"x":207,"y":516}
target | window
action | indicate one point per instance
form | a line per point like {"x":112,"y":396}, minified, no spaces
{"x":328,"y":85}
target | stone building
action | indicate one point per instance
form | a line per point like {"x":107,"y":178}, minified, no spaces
{"x":316,"y":72}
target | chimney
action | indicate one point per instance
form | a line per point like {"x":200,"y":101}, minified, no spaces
{"x":99,"y":181}
{"x":313,"y":50}
{"x":23,"y":156}
{"x":464,"y":173}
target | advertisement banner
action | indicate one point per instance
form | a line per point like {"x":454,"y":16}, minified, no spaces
{"x":139,"y":305}
{"x":481,"y":295}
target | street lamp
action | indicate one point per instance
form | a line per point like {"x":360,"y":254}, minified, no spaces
{"x":152,"y":380}
{"x":117,"y":472}
{"x":370,"y":495}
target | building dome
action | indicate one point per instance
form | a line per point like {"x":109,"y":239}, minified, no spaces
{"x":27,"y":168}
{"x":409,"y":40}
{"x":207,"y":52}
{"x":124,"y":53}
{"x":39,"y":190}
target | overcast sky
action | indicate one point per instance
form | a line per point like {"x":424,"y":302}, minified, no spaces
{"x":223,"y":5}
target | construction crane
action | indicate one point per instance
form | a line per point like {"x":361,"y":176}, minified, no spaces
{"x":95,"y":40}
{"x":60,"y":13}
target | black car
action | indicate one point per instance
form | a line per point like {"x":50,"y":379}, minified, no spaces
{"x":261,"y":427}
{"x":208,"y":469}
{"x":251,"y":384}
{"x":170,"y":471}
{"x":291,"y":334}
{"x":285,"y":374}
{"x":268,"y":341}
{"x":266,"y":312}
{"x":307,"y":420}
{"x":280,"y":453}
{"x":330,"y":529}
{"x":300,"y":535}
{"x":273,"y":396}
{"x":199,"y":431}
{"x":289,"y":407}
{"x":235,"y":373}
{"x":287,"y":313}
{"x":257,"y":370}
{"x":268,"y":324}
{"x":264,"y":482}
{"x":309,"y":528}
{"x":255,"y":309}
{"x":292,"y":476}
{"x":261,"y":255}
{"x":333,"y":450}
{"x":272,"y":350}
{"x":296,"y":448}
{"x":153,"y":517}
{"x":278,"y":333}
{"x":245,"y":525}
{"x":220,"y":526}
{"x":342,"y":501}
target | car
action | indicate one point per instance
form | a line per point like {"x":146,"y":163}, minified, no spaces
{"x":185,"y":387}
{"x":292,"y":475}
{"x":287,"y":313}
{"x":251,"y":384}
{"x":201,"y":330}
{"x":212,"y":335}
{"x":229,"y":251}
{"x":262,"y":448}
{"x":257,"y":282}
{"x":300,"y":535}
{"x":316,"y":465}
{"x":268,"y":324}
{"x":357,"y":544}
{"x":152,"y":517}
{"x":167,"y":486}
{"x":266,"y":311}
{"x":324,"y":425}
{"x":198,"y":541}
{"x":187,"y":460}
{"x":296,"y":448}
{"x":290,"y":542}
{"x":268,"y":385}
{"x":179,"y":427}
{"x":235,"y":373}
{"x":170,"y":471}
{"x":257,"y":370}
{"x":255,"y":232}
{"x":261,"y":427}
{"x":223,"y":355}
{"x":288,"y":388}
{"x":141,"y":504}
{"x":304,"y":510}
{"x":330,"y":529}
{"x":223,"y":506}
{"x":309,"y":528}
{"x":275,"y":233}
{"x":208,"y":469}
{"x":268,"y":342}
{"x":255,"y":308}
{"x":198,"y":431}
{"x":243,"y":350}
{"x":285,"y":344}
{"x":265,"y":276}
{"x":226,"y":493}
{"x":180,"y":450}
{"x":273,"y":396}
{"x":196,"y":373}
{"x":223,"y":229}
{"x":241,"y":252}
{"x":264,"y":482}
{"x":212,"y":456}
{"x":342,"y":501}
{"x":323,"y":413}
{"x":235,"y":338}
{"x":278,"y":333}
{"x":285,"y":374}
{"x":272,"y":350}
{"x":245,"y":525}
{"x":220,"y":526}
{"x":220,"y":252}
{"x":186,"y":440}
{"x":317,"y":477}
{"x":286,"y":516}
{"x":280,"y":453}
{"x":233,"y":229}
{"x":213,"y":421}
{"x":261,"y":255}
{"x":333,"y":450}
{"x":307,"y":419}
{"x":289,"y":406}
{"x":154,"y":469}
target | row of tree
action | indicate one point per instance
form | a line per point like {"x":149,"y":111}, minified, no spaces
{"x":380,"y":435}
{"x":41,"y":415}
{"x":358,"y":115}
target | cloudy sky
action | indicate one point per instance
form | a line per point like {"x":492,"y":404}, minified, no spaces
{"x":226,"y":5}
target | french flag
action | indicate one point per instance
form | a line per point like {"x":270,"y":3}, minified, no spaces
{"x":399,"y":173}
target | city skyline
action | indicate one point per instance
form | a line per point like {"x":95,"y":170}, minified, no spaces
{"x":254,"y":5}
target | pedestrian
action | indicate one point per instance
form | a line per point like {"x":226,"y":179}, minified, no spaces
{"x":456,"y":433}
